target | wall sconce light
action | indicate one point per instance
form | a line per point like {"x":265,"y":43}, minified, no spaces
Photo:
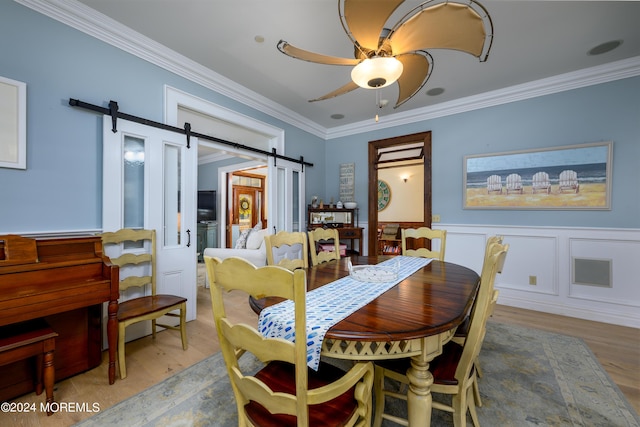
{"x":405,"y":178}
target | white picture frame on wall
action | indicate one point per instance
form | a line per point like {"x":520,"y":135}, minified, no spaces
{"x":13,"y":124}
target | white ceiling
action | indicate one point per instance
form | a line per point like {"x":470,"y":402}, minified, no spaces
{"x":533,"y":40}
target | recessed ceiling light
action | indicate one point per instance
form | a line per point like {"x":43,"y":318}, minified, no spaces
{"x":435,"y":91}
{"x":337,"y":116}
{"x":604,"y":47}
{"x":259,"y":39}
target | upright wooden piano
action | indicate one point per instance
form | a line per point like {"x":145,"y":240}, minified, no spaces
{"x":65,"y":281}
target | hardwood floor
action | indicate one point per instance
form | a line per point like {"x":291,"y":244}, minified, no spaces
{"x":148,"y":362}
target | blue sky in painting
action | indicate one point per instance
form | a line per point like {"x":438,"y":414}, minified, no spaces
{"x":562,"y":157}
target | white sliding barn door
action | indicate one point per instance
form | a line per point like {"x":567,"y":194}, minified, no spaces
{"x":149,"y":181}
{"x":286,"y":208}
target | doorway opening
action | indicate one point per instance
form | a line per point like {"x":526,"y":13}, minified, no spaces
{"x":395,"y":153}
{"x":246,"y":207}
{"x":262,"y":143}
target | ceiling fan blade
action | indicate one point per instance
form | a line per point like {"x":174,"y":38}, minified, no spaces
{"x":305,"y":55}
{"x":417,"y":69}
{"x":340,"y":91}
{"x":445,"y":26}
{"x":363,"y":20}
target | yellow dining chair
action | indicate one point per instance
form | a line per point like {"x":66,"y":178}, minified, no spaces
{"x":495,"y":240}
{"x":494,"y":244}
{"x":323,"y":234}
{"x":424,"y":233}
{"x":137,"y":262}
{"x":454,"y":370}
{"x":287,"y":249}
{"x":284,"y":392}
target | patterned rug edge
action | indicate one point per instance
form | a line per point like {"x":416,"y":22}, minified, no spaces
{"x":557,"y":383}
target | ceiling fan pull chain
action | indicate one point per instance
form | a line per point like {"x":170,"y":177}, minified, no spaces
{"x":377,"y":91}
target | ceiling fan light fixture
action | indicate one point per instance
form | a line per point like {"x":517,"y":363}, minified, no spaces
{"x":376,"y":72}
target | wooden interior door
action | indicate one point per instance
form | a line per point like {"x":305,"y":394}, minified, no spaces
{"x":245,"y":209}
{"x":247,"y":206}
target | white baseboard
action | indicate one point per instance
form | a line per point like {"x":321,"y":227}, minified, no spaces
{"x":577,"y":312}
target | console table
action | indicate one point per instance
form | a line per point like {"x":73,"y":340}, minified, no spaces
{"x":343,"y":219}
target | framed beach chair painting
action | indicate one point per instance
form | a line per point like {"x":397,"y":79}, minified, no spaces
{"x":563,"y":177}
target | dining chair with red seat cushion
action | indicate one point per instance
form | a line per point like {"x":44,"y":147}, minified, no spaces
{"x":278,"y":376}
{"x":285,"y":391}
{"x":454,"y":370}
{"x":329,"y":235}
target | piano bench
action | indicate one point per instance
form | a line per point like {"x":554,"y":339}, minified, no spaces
{"x":19,"y":341}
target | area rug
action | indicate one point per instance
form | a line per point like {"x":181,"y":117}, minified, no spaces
{"x":531,"y":378}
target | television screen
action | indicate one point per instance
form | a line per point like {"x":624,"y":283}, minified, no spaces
{"x":206,"y":206}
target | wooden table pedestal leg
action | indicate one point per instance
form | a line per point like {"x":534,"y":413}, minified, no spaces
{"x":419,"y":393}
{"x":419,"y":401}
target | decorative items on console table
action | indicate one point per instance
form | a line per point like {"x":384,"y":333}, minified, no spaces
{"x":345,"y":220}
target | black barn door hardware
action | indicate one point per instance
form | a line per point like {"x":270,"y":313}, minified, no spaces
{"x":116,"y":114}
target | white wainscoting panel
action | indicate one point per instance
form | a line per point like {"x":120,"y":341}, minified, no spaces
{"x":530,"y":257}
{"x":465,"y":248}
{"x":624,"y":257}
{"x":546,"y":253}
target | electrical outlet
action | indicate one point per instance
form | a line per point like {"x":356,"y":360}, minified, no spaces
{"x":435,"y":218}
{"x":533,"y":280}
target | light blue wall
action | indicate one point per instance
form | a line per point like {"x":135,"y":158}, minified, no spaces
{"x":61,"y":188}
{"x":208,"y":173}
{"x":605,"y":112}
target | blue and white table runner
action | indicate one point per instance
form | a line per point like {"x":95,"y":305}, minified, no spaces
{"x":331,"y":303}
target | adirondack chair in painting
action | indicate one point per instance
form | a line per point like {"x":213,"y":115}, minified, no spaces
{"x":540,"y":182}
{"x":514,"y":183}
{"x":494,"y":184}
{"x":568,"y":181}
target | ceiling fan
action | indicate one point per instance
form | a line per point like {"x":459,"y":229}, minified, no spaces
{"x":384,"y":55}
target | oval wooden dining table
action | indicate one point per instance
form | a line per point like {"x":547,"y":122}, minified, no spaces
{"x":415,"y":318}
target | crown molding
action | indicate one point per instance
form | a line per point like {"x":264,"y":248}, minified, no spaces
{"x":587,"y":77}
{"x":95,"y":24}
